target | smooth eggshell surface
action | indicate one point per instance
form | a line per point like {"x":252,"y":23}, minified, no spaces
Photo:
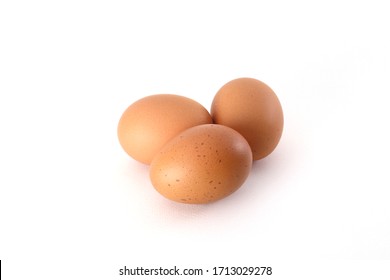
{"x":150,"y":122}
{"x":252,"y":108}
{"x":202,"y":164}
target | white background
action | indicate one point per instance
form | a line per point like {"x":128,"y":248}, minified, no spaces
{"x":73,"y":205}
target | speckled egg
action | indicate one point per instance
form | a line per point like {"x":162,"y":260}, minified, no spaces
{"x":202,"y":164}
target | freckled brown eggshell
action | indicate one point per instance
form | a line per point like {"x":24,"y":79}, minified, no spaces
{"x":252,"y":108}
{"x":150,"y":122}
{"x":202,"y":164}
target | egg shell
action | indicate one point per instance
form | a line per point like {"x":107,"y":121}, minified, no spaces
{"x":250,"y":107}
{"x":149,"y":123}
{"x":202,"y":164}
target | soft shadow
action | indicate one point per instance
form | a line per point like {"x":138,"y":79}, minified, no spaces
{"x":264,"y":179}
{"x":132,"y":169}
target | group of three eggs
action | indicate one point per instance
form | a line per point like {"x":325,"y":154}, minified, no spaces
{"x":199,"y":157}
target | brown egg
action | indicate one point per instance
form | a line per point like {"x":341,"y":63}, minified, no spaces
{"x":253,"y":109}
{"x":202,"y":164}
{"x":150,"y":122}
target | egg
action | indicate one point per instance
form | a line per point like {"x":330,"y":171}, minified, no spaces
{"x":250,"y":107}
{"x":149,"y":123}
{"x":202,"y":164}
